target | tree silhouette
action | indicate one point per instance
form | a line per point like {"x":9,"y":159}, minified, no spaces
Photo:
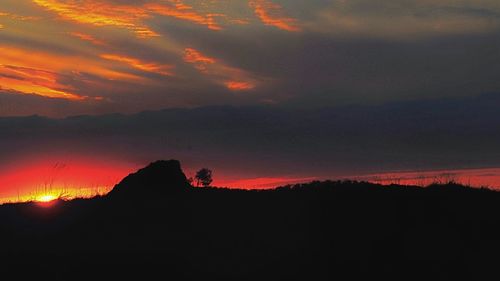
{"x":204,"y":176}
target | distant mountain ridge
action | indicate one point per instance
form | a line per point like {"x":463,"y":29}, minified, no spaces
{"x":439,"y":134}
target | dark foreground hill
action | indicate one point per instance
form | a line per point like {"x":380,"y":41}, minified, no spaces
{"x":155,"y":226}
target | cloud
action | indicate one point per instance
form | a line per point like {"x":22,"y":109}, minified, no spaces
{"x":101,"y":13}
{"x":128,"y":16}
{"x":51,"y":75}
{"x":232,"y":78}
{"x":235,"y":53}
{"x":200,"y":61}
{"x":272,"y":14}
{"x":161,"y":69}
{"x":89,"y":38}
{"x":407,"y":20}
{"x":239,"y":86}
{"x":15,"y":18}
{"x":34,"y":81}
{"x":184,"y":12}
{"x":18,"y":17}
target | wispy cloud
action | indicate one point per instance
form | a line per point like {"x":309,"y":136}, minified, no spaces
{"x":276,"y":51}
{"x":34,"y":81}
{"x":101,"y":13}
{"x":88,"y":38}
{"x":131,"y":17}
{"x":232,"y":78}
{"x":162,"y":69}
{"x":18,"y":17}
{"x":200,"y":61}
{"x":183,"y":11}
{"x":272,"y":14}
{"x":239,"y":86}
{"x":40,"y":73}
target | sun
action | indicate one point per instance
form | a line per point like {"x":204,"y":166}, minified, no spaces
{"x":46,"y":198}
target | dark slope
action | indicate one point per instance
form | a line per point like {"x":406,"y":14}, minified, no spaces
{"x":154,"y":226}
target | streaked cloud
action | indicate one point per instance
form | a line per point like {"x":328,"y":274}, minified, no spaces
{"x":162,"y":69}
{"x":200,"y":61}
{"x":262,"y":183}
{"x":88,"y":38}
{"x":34,"y":81}
{"x":239,"y":86}
{"x":39,"y":73}
{"x":18,"y":17}
{"x":101,"y":13}
{"x":232,"y":78}
{"x":152,"y":54}
{"x":183,"y":11}
{"x":272,"y":14}
{"x":128,"y":16}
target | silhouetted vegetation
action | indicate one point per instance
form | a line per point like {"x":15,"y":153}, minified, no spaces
{"x":204,"y":177}
{"x":155,"y":226}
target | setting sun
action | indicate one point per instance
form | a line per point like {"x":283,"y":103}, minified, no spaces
{"x":46,"y":198}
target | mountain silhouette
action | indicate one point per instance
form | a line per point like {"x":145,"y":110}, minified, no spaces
{"x":153,"y":225}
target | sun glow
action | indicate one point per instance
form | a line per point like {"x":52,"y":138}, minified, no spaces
{"x":49,"y":178}
{"x":46,"y":198}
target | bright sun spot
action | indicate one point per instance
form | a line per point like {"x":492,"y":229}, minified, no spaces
{"x":46,"y":198}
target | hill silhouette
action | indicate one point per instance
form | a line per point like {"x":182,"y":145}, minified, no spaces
{"x":155,"y":226}
{"x":156,"y":181}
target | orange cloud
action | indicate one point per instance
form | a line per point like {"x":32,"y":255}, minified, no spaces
{"x":103,"y":13}
{"x":263,"y":183}
{"x":100,"y":13}
{"x":17,"y":17}
{"x":60,"y":63}
{"x":34,"y":81}
{"x":162,"y":69}
{"x":272,"y":14}
{"x":31,"y":72}
{"x":232,"y":78}
{"x":87,"y":37}
{"x":199,"y":60}
{"x":239,"y":86}
{"x":185,"y":12}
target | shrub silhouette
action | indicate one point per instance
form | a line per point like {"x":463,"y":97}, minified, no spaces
{"x":204,"y":177}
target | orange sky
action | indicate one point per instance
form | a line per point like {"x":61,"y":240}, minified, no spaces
{"x":78,"y":52}
{"x":99,"y":55}
{"x":79,"y":177}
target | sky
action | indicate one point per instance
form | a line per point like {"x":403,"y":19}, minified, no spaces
{"x":66,"y":57}
{"x":264,"y":91}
